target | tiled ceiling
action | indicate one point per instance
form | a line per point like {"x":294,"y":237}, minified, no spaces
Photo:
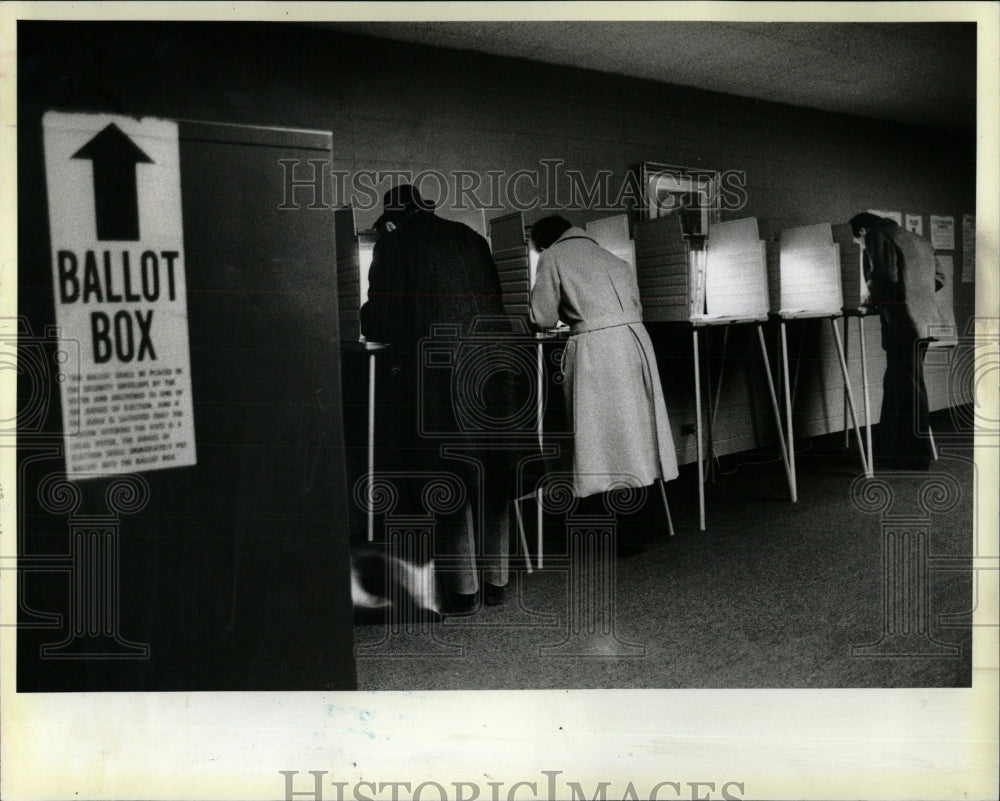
{"x":917,"y":73}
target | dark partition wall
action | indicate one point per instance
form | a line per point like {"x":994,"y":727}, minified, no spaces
{"x":232,"y":574}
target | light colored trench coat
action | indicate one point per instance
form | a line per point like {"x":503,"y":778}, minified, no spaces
{"x":614,"y":400}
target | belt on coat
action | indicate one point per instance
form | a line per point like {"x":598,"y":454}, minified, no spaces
{"x":610,"y":321}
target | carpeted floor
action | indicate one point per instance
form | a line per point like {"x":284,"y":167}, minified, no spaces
{"x":772,"y":595}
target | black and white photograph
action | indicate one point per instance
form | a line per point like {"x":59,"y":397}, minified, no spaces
{"x":387,"y":413}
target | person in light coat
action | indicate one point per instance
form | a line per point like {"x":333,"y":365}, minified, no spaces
{"x":614,"y":400}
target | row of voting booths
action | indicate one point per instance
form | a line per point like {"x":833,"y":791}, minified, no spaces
{"x":693,"y":269}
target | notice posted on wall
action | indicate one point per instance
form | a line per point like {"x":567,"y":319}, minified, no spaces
{"x":942,"y":232}
{"x":915,"y":224}
{"x":120,"y":294}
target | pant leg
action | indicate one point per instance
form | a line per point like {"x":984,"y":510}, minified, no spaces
{"x":477,"y":537}
{"x":901,"y":439}
{"x":457,"y":553}
{"x":915,"y":450}
{"x":494,"y":545}
{"x":886,"y":443}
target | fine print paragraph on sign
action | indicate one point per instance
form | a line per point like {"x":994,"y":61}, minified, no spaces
{"x":119,"y":286}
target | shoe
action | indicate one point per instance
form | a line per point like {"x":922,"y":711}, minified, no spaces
{"x":459,"y":603}
{"x":492,"y":594}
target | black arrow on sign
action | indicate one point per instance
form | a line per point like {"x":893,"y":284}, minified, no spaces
{"x":115,"y":199}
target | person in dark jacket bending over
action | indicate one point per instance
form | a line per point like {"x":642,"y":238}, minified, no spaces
{"x":902,"y":281}
{"x":429,"y":280}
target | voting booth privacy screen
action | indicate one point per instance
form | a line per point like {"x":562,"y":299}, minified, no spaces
{"x":511,"y":255}
{"x":182,"y":509}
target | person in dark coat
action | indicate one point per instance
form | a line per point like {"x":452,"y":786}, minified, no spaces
{"x":903,"y":280}
{"x":433,"y":291}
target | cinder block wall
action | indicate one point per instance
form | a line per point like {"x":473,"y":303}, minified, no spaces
{"x":393,"y":106}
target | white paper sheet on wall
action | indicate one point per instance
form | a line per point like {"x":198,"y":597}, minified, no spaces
{"x":942,"y":232}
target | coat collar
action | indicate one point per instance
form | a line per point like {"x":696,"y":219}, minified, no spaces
{"x":570,"y":233}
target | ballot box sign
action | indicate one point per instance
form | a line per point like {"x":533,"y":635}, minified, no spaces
{"x":114,"y":196}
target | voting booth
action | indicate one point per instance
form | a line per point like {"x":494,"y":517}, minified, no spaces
{"x":852,"y":270}
{"x":667,"y":271}
{"x":513,"y":262}
{"x":612,"y":234}
{"x":719,"y":284}
{"x":735,"y":270}
{"x":726,"y":279}
{"x":807,"y":278}
{"x":354,"y":259}
{"x":181,"y":519}
{"x":474,"y":218}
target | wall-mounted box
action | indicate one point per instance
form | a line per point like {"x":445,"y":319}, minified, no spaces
{"x":690,"y":193}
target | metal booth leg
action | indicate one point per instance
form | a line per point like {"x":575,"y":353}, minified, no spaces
{"x":850,"y":393}
{"x":868,"y":407}
{"x":777,"y":411}
{"x":789,"y":432}
{"x":697,"y":405}
{"x":371,"y":443}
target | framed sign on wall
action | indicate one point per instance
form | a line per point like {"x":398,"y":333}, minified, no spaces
{"x":690,"y":192}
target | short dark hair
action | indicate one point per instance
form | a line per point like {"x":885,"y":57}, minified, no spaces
{"x":399,"y":204}
{"x":866,"y":220}
{"x":547,"y":230}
